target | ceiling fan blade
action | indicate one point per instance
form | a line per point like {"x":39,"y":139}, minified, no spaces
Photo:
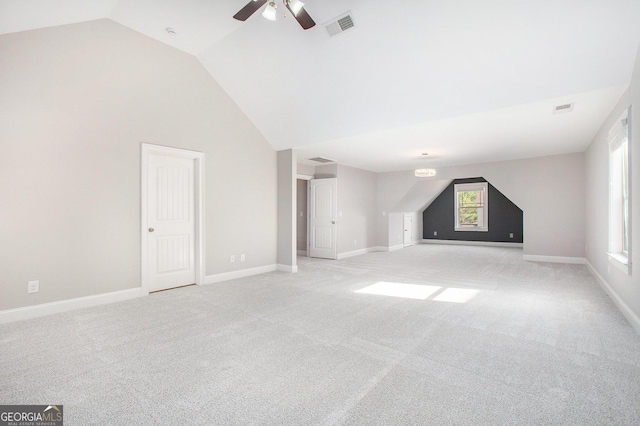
{"x":303,"y":18}
{"x":249,"y":10}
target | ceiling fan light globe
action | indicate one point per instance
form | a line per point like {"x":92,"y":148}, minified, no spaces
{"x":295,"y":6}
{"x":270,"y":12}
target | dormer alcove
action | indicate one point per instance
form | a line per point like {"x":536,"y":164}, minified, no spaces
{"x":504,"y":219}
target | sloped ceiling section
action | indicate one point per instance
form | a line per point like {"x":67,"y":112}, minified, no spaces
{"x":420,"y":195}
{"x":466,"y":81}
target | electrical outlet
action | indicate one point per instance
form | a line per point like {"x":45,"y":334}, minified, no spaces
{"x":233,"y":258}
{"x":33,"y":286}
{"x":384,"y":213}
{"x":355,"y":242}
{"x":435,"y":233}
{"x":510,"y":234}
{"x":242,"y":258}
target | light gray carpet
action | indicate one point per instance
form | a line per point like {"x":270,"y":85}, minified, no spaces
{"x":535,"y":343}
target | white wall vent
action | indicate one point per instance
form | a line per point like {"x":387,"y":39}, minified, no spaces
{"x":321,"y":160}
{"x":340,"y":24}
{"x":561,"y":109}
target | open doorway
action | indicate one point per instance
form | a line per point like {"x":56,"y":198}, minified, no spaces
{"x":301,"y":217}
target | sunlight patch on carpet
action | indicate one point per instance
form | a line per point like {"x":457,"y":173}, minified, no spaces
{"x":408,"y":291}
{"x":456,"y":295}
{"x":420,"y":292}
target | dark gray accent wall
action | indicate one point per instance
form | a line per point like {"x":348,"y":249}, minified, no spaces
{"x":504,"y":218}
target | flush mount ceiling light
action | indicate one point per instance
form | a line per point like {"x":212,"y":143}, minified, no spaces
{"x":425,"y":172}
{"x":296,"y":7}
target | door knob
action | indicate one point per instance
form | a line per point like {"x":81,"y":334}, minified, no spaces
{"x":333,"y":221}
{"x":151,"y":229}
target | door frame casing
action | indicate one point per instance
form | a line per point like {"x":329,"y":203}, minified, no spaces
{"x":306,"y":178}
{"x":198,"y":191}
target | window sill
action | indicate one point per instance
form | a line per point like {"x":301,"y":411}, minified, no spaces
{"x":620,"y":261}
{"x":471,"y":229}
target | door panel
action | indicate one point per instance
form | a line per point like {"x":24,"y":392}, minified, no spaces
{"x":173,"y":184}
{"x":171,"y":221}
{"x":172,"y":253}
{"x":323,"y":207}
{"x":323,"y":237}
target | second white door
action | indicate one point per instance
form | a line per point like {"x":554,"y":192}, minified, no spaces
{"x":323,"y":215}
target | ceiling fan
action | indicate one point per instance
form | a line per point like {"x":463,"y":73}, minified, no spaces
{"x":296,"y":7}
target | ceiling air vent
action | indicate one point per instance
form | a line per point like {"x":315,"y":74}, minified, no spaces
{"x":340,"y":24}
{"x":321,"y":160}
{"x":561,"y":109}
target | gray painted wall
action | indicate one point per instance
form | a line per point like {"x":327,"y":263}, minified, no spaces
{"x":597,"y":210}
{"x":287,"y":208}
{"x":77,"y":101}
{"x":306,"y":169}
{"x":356,"y":209}
{"x":326,"y":171}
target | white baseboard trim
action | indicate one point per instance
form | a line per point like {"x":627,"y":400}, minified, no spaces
{"x":302,"y":252}
{"x":633,"y":319}
{"x":472,"y":243}
{"x":242,"y":273}
{"x":35,"y":311}
{"x":287,"y":268}
{"x":356,"y":252}
{"x":554,"y":259}
{"x":386,"y":249}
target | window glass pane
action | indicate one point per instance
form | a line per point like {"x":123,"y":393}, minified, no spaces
{"x":470,"y":204}
{"x":468,"y":216}
{"x":470,"y":198}
{"x":619,"y":197}
{"x":625,"y":197}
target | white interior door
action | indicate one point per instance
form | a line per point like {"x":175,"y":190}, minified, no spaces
{"x":323,"y":215}
{"x":170,"y":221}
{"x":408,"y":231}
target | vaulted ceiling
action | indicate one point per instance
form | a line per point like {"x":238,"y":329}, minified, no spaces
{"x":466,"y":81}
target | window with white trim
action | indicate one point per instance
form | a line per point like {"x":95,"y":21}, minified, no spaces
{"x":472,"y":206}
{"x":619,"y":195}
